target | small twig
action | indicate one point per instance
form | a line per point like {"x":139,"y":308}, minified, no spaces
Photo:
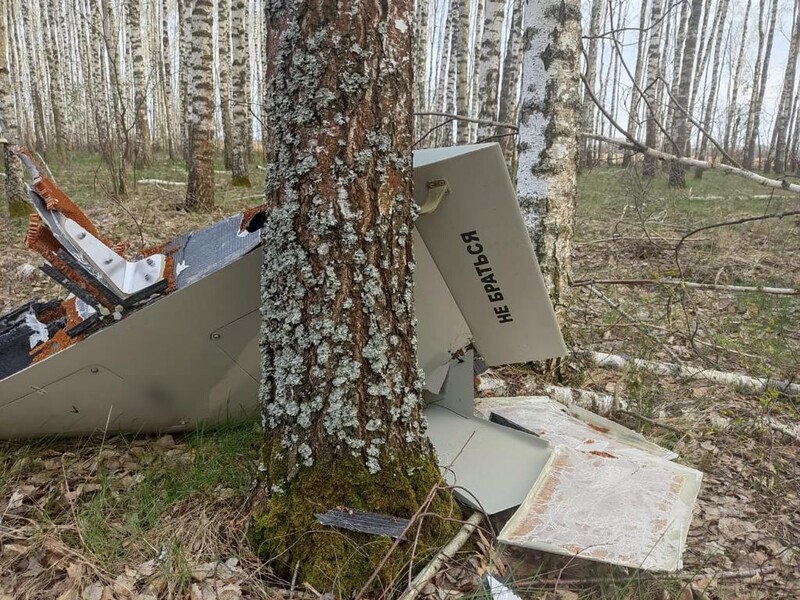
{"x":444,"y":554}
{"x":311,"y":589}
{"x":689,"y":284}
{"x":421,"y":510}
{"x":455,"y":117}
{"x":651,"y":421}
{"x":294,"y":579}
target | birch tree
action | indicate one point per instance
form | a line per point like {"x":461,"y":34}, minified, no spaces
{"x":759,"y":82}
{"x":462,"y":69}
{"x":731,"y":118}
{"x":677,"y":171}
{"x":509,"y":91}
{"x":143,"y":144}
{"x":341,"y":389}
{"x":783,"y":122}
{"x":588,"y":110}
{"x":489,"y":65}
{"x":240,"y":109}
{"x":200,"y":104}
{"x":15,"y":189}
{"x":548,"y":140}
{"x":653,"y":80}
{"x":636,"y":95}
{"x":711,"y":94}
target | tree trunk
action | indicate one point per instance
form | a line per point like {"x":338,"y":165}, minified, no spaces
{"x":509,"y":91}
{"x":240,"y":94}
{"x":588,"y":110}
{"x":462,"y":75}
{"x":15,"y":188}
{"x":489,"y":66}
{"x":200,"y":98}
{"x":422,"y":58}
{"x":759,"y":84}
{"x":677,"y":171}
{"x":785,"y":107}
{"x":143,"y":145}
{"x":166,"y":75}
{"x":703,"y":53}
{"x":634,"y":122}
{"x":52,"y":20}
{"x":224,"y":32}
{"x":712,"y":92}
{"x":733,"y":108}
{"x":548,"y":142}
{"x":677,"y":60}
{"x":653,"y":74}
{"x":341,"y":389}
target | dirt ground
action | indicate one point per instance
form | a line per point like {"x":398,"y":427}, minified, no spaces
{"x":151,"y":518}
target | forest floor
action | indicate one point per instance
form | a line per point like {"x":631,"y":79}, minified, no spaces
{"x":146,"y":517}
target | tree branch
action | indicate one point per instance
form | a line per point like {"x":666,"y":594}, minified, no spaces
{"x":637,"y":146}
{"x":689,"y":284}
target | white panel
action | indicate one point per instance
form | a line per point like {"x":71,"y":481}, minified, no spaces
{"x":478,"y":241}
{"x":493,"y":466}
{"x":441,"y":330}
{"x":627,"y":511}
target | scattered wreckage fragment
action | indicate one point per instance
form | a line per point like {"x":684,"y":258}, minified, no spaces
{"x":168,"y":341}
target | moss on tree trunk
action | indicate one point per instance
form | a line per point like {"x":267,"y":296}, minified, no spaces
{"x":341,"y":388}
{"x":286,"y":534}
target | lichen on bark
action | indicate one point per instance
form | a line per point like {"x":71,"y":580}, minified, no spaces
{"x":341,"y":389}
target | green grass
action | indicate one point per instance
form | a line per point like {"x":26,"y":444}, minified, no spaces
{"x":131,"y":508}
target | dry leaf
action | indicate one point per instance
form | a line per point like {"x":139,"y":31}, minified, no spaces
{"x":93,"y":592}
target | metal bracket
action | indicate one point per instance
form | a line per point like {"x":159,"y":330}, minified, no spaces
{"x":123,"y":277}
{"x":437,"y":189}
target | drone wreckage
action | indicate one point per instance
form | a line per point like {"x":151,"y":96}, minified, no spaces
{"x":121,"y":354}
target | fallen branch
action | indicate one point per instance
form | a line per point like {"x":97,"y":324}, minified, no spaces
{"x":640,"y":148}
{"x":790,"y":431}
{"x":743,"y":574}
{"x":689,"y":284}
{"x":467,"y":119}
{"x":754,"y":384}
{"x":159,"y":182}
{"x":446,"y":553}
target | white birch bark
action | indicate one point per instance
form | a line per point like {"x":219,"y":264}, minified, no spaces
{"x":548,"y":142}
{"x":782,"y":121}
{"x":509,"y":91}
{"x":651,"y":89}
{"x":489,"y":65}
{"x":677,"y":171}
{"x":200,"y":98}
{"x":462,"y":68}
{"x":15,"y":189}
{"x":677,"y":61}
{"x":731,"y":117}
{"x":759,"y":85}
{"x":223,"y":18}
{"x":143,"y":144}
{"x":711,"y":94}
{"x":634,"y":120}
{"x":240,"y":93}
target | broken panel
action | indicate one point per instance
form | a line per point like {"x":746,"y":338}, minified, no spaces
{"x":633,"y":512}
{"x":494,"y":467}
{"x":570,"y":426}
